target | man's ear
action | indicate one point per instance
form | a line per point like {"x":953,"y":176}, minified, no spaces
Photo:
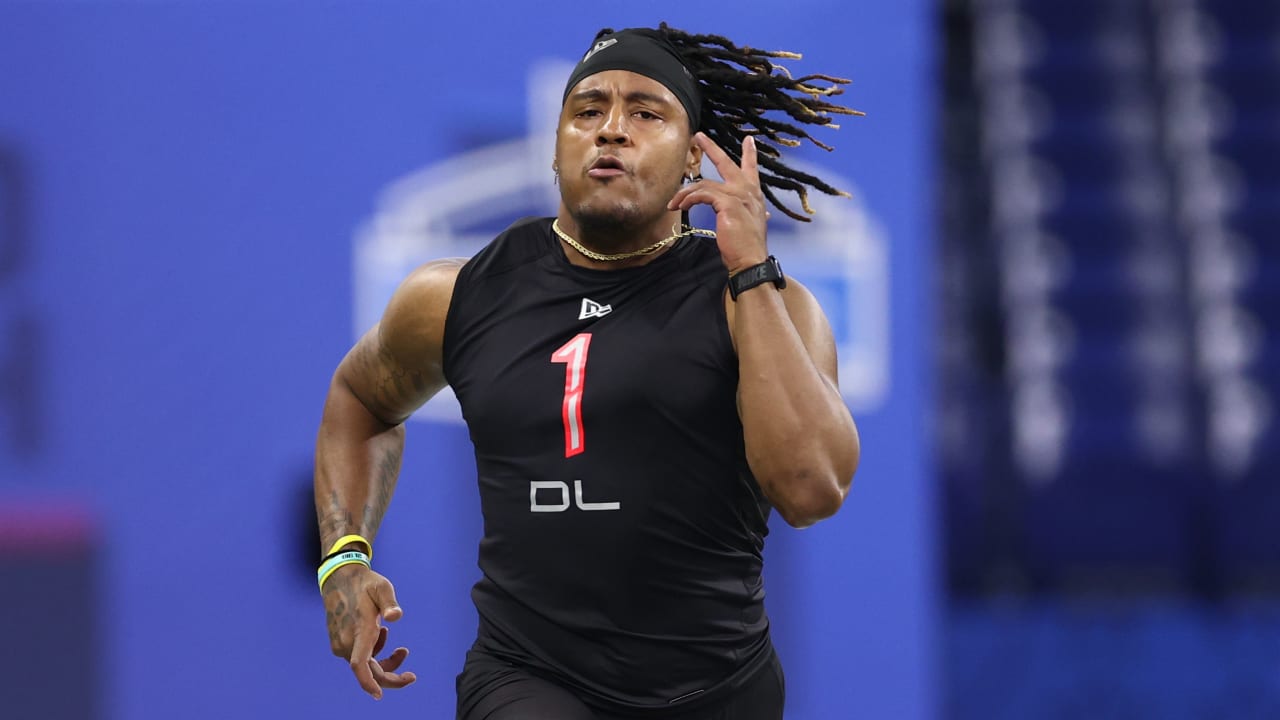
{"x":693,"y":166}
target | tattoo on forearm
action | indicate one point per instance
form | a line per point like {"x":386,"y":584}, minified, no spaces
{"x":335,"y":521}
{"x":384,"y":486}
{"x":393,"y":393}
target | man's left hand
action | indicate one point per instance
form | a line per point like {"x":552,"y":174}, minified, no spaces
{"x":737,"y":201}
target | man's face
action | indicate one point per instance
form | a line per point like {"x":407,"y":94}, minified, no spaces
{"x":622,"y":146}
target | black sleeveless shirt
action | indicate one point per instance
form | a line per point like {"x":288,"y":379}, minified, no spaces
{"x":622,"y":527}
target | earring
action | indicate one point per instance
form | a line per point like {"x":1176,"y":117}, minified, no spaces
{"x":556,"y":179}
{"x":695,"y":178}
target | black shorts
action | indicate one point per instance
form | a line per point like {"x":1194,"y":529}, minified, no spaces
{"x":492,"y":689}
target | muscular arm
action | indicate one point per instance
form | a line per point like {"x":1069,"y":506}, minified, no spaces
{"x":801,"y":442}
{"x":392,"y":371}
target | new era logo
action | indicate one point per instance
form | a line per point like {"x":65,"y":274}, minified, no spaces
{"x":598,"y":47}
{"x":593,"y":309}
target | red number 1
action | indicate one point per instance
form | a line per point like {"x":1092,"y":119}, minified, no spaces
{"x":574,"y":355}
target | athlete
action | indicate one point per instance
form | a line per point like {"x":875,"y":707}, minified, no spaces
{"x":640,"y":395}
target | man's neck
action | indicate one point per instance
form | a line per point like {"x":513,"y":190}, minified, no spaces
{"x":616,"y":239}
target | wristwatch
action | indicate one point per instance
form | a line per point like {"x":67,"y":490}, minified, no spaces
{"x":767,"y":271}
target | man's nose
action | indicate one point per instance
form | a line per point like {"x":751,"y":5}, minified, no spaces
{"x":614,"y":129}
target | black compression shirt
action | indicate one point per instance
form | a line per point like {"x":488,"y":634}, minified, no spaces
{"x":622,"y":528}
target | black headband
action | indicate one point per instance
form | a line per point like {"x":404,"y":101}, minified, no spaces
{"x":646,"y":52}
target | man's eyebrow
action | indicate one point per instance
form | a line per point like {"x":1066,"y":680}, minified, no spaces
{"x":635,"y":96}
{"x":639,"y":96}
{"x":587,"y":95}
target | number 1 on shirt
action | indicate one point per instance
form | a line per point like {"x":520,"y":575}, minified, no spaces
{"x":574,"y":355}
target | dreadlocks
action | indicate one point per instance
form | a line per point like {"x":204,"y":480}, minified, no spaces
{"x":739,"y":85}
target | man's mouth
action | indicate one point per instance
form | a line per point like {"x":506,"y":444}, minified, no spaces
{"x":606,"y":166}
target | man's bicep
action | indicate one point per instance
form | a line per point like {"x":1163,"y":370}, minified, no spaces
{"x":387,"y":388}
{"x":398,"y":365}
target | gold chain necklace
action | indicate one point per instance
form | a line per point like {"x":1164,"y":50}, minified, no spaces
{"x":601,"y":257}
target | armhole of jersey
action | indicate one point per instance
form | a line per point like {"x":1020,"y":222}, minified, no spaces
{"x":722,"y":322}
{"x":451,"y":320}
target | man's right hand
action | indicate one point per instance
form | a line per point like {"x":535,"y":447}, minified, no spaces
{"x":356,"y":600}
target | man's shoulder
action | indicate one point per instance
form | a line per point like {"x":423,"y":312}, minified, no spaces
{"x":434,"y":277}
{"x":524,"y":241}
{"x":513,"y":245}
{"x":423,"y":296}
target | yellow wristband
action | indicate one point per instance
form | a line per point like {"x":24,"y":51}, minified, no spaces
{"x":347,"y":540}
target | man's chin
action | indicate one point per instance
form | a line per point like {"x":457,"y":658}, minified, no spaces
{"x":608,"y":218}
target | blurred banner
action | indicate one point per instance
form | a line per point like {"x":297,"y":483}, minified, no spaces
{"x":203,"y":205}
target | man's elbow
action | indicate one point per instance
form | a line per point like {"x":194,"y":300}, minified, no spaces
{"x":804,"y":494}
{"x":815,"y":499}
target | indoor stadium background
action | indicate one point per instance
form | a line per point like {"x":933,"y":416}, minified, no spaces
{"x":1056,"y":293}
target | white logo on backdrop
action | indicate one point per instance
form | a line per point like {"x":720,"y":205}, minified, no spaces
{"x":432,"y":213}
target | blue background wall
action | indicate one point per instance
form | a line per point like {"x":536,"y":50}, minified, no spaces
{"x":183,"y":183}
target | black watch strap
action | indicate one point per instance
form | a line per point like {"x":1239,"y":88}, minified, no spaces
{"x":767,"y":271}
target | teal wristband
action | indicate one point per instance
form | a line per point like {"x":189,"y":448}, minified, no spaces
{"x":351,"y":557}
